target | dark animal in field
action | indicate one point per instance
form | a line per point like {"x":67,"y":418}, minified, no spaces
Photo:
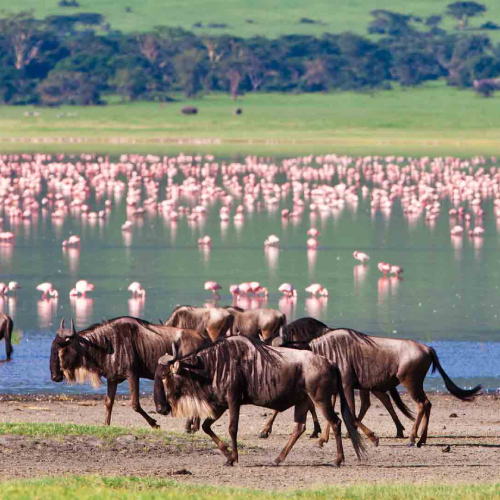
{"x":240,"y":370}
{"x":381,"y":364}
{"x":120,"y":349}
{"x":306,"y":329}
{"x":6,"y":326}
{"x":257,"y":323}
{"x":189,"y":110}
{"x":208,"y":322}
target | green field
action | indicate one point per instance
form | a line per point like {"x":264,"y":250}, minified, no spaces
{"x":430,"y":120}
{"x":91,"y":487}
{"x":271,"y":18}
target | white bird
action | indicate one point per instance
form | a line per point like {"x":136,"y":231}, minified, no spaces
{"x":136,"y":289}
{"x":316,"y":288}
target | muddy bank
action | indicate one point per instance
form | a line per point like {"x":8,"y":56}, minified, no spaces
{"x":473,"y":436}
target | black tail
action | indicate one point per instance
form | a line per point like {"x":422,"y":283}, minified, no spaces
{"x":463,"y":394}
{"x":357,"y":442}
{"x":7,"y":327}
{"x":227,"y":328}
{"x":400,"y":404}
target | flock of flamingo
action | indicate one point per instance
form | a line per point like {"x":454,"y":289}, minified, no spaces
{"x":89,"y":187}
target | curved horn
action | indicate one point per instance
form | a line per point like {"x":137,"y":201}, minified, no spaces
{"x":61,"y":326}
{"x":73,"y":330}
{"x":174,"y":352}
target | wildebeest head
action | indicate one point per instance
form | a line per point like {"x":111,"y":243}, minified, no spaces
{"x":67,"y":360}
{"x":283,"y":341}
{"x":175,"y":388}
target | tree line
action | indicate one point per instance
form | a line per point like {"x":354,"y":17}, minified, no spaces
{"x":79,"y":59}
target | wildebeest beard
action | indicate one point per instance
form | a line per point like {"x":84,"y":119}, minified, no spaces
{"x":81,"y":375}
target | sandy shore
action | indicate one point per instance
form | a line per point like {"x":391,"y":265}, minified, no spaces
{"x":473,"y":435}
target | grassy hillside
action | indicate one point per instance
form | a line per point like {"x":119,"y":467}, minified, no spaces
{"x":270,"y":18}
{"x":430,"y":120}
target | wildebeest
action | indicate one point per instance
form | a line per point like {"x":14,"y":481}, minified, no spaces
{"x":306,"y":329}
{"x":240,"y":370}
{"x":120,"y":349}
{"x":257,"y":323}
{"x":212,"y":322}
{"x":189,"y":110}
{"x":6,"y":326}
{"x":381,"y":364}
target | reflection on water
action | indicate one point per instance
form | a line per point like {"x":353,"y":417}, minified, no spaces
{"x":397,"y":210}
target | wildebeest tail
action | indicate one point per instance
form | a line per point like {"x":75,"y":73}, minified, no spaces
{"x":7,"y":334}
{"x":450,"y":385}
{"x":400,"y":404}
{"x":347,"y":417}
{"x":282,"y":326}
{"x":227,"y":327}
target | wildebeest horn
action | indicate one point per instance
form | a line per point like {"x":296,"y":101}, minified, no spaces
{"x":61,"y":326}
{"x":174,"y":351}
{"x":73,"y":331}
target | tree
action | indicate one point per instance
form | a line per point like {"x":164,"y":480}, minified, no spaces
{"x":67,"y":88}
{"x":191,"y":67}
{"x":463,"y":10}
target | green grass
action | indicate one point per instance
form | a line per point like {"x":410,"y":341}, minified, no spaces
{"x":430,"y":120}
{"x":271,"y":18}
{"x":91,"y":487}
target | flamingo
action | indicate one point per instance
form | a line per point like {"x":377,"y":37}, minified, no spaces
{"x":245,"y":288}
{"x":205,"y":241}
{"x":234,"y":290}
{"x":396,"y":270}
{"x":72,"y":241}
{"x":384,"y":267}
{"x":312,"y":243}
{"x":3,"y":288}
{"x":136,"y":289}
{"x":47,"y":289}
{"x":362,"y":257}
{"x":288,"y":290}
{"x":82,"y":287}
{"x":316,"y":288}
{"x":271,"y":241}
{"x":13,"y":287}
{"x":313,"y":232}
{"x":213,"y":286}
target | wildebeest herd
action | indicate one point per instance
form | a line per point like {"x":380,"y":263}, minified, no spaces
{"x":205,"y":361}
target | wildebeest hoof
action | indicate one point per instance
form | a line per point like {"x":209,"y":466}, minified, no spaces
{"x":264,"y":435}
{"x":314,"y":435}
{"x":400,"y":435}
{"x":229,"y":463}
{"x":155,"y":426}
{"x":410,"y":444}
{"x":277,"y":461}
{"x":376,"y":442}
{"x":419,"y":444}
{"x":320,"y":443}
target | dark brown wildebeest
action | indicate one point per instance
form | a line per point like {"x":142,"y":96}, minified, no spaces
{"x":306,"y":329}
{"x":381,"y":364}
{"x":189,"y":110}
{"x":212,"y":322}
{"x":263,"y":324}
{"x":120,"y":349}
{"x":240,"y":370}
{"x":6,"y":326}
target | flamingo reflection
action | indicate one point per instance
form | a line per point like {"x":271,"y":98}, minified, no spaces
{"x":73,"y":255}
{"x":82,"y":310}
{"x":272,"y":254}
{"x":47,"y":310}
{"x":136,"y":306}
{"x":360,"y":271}
{"x":287,"y":305}
{"x":383,"y":288}
{"x":316,"y":306}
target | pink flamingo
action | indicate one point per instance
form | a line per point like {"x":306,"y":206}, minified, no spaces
{"x":384,"y":267}
{"x":288,"y":290}
{"x":3,"y":288}
{"x":205,"y":241}
{"x":213,"y":286}
{"x":136,"y":289}
{"x":47,"y":290}
{"x":396,"y":270}
{"x":317,"y":289}
{"x":234,"y":290}
{"x":245,"y":288}
{"x":13,"y":287}
{"x":313,"y":232}
{"x":72,"y":241}
{"x":362,"y":257}
{"x":271,"y":241}
{"x":82,"y":287}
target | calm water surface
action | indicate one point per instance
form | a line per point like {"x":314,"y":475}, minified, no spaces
{"x":448,"y":296}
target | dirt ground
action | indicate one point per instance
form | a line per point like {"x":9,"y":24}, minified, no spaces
{"x":471,"y":429}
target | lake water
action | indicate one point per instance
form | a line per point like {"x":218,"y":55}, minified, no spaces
{"x":447,"y":296}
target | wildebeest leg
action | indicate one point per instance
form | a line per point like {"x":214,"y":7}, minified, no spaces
{"x":424,"y":410}
{"x":364,"y":397}
{"x":386,"y":401}
{"x":349,"y":394}
{"x":234,"y":416}
{"x":133,"y":383}
{"x":335,"y":423}
{"x":300,"y":416}
{"x":192,"y":424}
{"x":268,"y":428}
{"x":110,"y":399}
{"x":317,"y":428}
{"x":207,"y":428}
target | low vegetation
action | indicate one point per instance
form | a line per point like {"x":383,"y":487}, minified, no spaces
{"x":146,"y":488}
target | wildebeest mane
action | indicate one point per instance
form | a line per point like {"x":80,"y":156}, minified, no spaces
{"x":236,"y":308}
{"x":304,"y":329}
{"x":186,"y":317}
